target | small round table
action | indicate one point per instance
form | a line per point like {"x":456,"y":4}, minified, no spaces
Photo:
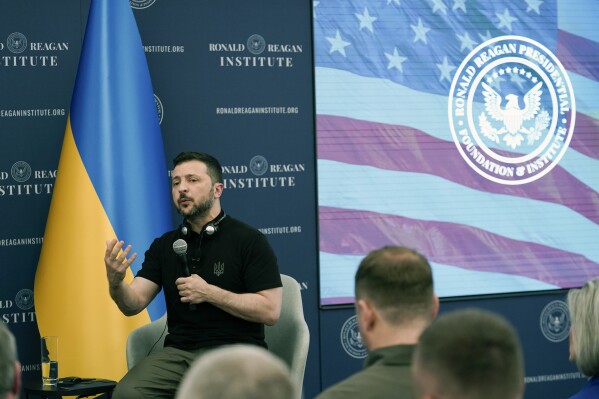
{"x":84,"y":388}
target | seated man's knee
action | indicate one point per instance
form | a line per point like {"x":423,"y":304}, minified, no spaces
{"x":126,"y":390}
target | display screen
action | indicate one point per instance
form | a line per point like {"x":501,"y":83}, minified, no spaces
{"x":466,"y":130}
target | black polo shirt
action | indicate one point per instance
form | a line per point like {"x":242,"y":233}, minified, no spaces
{"x":237,"y":258}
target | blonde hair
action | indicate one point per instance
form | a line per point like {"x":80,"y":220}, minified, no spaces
{"x":583,"y":304}
{"x":237,"y":372}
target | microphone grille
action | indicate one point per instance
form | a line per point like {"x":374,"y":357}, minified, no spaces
{"x":180,"y":247}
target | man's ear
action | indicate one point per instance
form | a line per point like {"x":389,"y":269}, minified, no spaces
{"x":16,"y":385}
{"x":435,"y":306}
{"x":366,"y":314}
{"x":218,"y":190}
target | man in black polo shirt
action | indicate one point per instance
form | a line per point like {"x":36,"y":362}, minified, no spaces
{"x":234,"y":287}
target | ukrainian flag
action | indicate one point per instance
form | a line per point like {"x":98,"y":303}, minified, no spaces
{"x":112,"y":182}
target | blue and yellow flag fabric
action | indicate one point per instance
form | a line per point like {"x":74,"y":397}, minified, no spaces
{"x":111,"y":182}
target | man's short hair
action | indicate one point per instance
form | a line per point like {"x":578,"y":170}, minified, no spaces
{"x":469,"y":354}
{"x":583,"y":304}
{"x":214,"y":169}
{"x":398,"y":281}
{"x":237,"y":372}
{"x":8,"y":358}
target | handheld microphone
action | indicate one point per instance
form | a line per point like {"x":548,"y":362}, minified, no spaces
{"x":180,"y":248}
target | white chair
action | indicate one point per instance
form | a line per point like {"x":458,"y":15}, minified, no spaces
{"x":145,"y":340}
{"x":289,"y":338}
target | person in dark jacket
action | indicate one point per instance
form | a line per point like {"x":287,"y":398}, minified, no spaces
{"x":395,"y":302}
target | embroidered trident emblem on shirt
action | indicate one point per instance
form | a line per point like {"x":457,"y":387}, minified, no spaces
{"x":219,"y":268}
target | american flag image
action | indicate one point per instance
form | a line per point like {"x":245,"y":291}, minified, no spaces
{"x":390,"y":173}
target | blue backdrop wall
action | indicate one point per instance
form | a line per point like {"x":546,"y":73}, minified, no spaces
{"x":234,"y":79}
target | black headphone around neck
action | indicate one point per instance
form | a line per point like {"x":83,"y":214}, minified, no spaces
{"x":210,"y":228}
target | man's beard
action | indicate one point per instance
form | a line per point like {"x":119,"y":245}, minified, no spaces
{"x":200,"y":210}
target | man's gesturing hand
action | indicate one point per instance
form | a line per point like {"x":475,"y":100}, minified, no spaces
{"x":116,"y":261}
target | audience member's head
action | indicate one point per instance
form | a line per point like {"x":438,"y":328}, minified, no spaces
{"x":237,"y":372}
{"x":583,"y":304}
{"x":395,"y":299}
{"x":10,"y":368}
{"x":469,"y":354}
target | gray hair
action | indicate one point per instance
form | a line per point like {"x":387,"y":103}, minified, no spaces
{"x":583,"y":304}
{"x":8,"y":358}
{"x":237,"y":372}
